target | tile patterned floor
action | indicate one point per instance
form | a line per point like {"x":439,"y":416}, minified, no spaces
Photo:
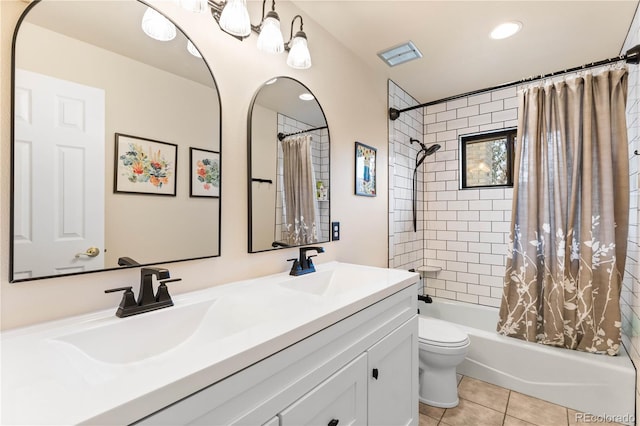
{"x":484,"y":404}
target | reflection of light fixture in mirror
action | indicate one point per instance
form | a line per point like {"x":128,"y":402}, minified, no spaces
{"x":299,"y":56}
{"x":270,"y":38}
{"x":273,"y":80}
{"x":306,"y":97}
{"x":157,"y":26}
{"x":193,"y":50}
{"x":234,"y":18}
{"x":196,"y":6}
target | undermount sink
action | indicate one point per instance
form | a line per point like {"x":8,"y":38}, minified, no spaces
{"x":143,"y":336}
{"x":332,"y":282}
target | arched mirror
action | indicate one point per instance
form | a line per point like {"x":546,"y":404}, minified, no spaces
{"x":116,"y":143}
{"x":289,"y":180}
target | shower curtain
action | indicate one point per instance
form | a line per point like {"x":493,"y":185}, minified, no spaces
{"x":299,"y":190}
{"x":570,"y":215}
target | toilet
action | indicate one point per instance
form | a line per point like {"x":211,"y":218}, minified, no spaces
{"x":441,"y":347}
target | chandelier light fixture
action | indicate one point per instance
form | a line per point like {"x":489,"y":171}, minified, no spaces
{"x":233,"y":18}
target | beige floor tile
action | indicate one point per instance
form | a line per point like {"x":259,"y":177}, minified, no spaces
{"x":484,"y":393}
{"x":469,"y":413}
{"x":427,"y":421}
{"x":575,"y":419}
{"x":536,"y":411}
{"x":512,"y":421}
{"x":431,"y":411}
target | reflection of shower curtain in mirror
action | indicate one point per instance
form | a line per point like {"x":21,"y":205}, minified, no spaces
{"x":299,"y":188}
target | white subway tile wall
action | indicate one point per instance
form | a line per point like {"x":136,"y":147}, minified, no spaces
{"x":473,"y":224}
{"x":630,"y":301}
{"x":406,"y":247}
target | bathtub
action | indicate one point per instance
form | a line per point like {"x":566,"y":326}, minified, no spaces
{"x":597,"y":384}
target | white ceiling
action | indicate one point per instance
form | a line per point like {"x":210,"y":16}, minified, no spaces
{"x":453,"y":37}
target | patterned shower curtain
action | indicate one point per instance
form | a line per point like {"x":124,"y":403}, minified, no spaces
{"x":570,"y":215}
{"x":299,"y":190}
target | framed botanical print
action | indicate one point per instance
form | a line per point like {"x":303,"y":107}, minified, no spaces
{"x":365,"y":170}
{"x":205,"y":173}
{"x":145,"y":166}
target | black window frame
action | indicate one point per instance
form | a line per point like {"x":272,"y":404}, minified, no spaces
{"x":464,"y":140}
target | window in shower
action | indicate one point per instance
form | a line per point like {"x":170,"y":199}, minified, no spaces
{"x":486,"y":159}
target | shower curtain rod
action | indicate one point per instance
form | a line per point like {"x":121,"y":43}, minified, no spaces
{"x":631,"y":57}
{"x":282,"y":135}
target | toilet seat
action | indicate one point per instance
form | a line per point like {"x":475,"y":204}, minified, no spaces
{"x":435,"y":332}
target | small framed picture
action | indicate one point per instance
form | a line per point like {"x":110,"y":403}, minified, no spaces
{"x":205,"y":173}
{"x":365,"y":173}
{"x":145,"y":166}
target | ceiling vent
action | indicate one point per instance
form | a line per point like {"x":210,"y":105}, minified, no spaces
{"x":400,"y":54}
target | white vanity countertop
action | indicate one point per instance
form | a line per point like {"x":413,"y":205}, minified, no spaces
{"x":101,"y":369}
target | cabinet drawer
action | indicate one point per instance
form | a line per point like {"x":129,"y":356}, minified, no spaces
{"x":340,"y":400}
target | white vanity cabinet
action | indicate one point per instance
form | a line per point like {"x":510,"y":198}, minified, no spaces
{"x":361,"y":370}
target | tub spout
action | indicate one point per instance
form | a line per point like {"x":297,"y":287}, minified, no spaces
{"x":425,"y":298}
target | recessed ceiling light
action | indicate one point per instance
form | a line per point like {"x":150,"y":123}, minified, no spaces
{"x":306,"y":97}
{"x":505,"y":30}
{"x":400,"y":54}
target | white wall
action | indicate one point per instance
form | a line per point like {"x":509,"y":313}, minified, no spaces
{"x":354,"y":100}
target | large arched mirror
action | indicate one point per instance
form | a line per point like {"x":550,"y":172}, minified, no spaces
{"x":116,"y":143}
{"x":289,"y":181}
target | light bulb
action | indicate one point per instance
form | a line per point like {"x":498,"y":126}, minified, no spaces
{"x":299,"y":56}
{"x":196,"y":6}
{"x":270,"y":38}
{"x":157,"y":26}
{"x":234,"y":18}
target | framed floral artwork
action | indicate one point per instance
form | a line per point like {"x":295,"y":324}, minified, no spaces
{"x":145,"y":166}
{"x":365,"y":172}
{"x":205,"y":173}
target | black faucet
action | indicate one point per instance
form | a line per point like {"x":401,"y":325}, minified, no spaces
{"x":147,"y":301}
{"x":304,"y":265}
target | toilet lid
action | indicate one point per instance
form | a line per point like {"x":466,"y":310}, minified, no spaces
{"x":441,"y":333}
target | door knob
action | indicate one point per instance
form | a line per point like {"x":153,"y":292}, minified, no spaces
{"x":91,"y":252}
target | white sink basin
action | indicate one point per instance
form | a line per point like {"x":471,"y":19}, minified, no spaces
{"x":139,"y":337}
{"x":334,"y":282}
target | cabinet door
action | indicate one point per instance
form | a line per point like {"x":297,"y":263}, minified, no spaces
{"x":273,"y":422}
{"x":338,"y":401}
{"x":393,"y":377}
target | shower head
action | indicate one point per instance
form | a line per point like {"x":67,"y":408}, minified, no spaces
{"x":412,"y":140}
{"x":432,"y":149}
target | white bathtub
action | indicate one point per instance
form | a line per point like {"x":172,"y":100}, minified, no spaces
{"x":597,"y":384}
